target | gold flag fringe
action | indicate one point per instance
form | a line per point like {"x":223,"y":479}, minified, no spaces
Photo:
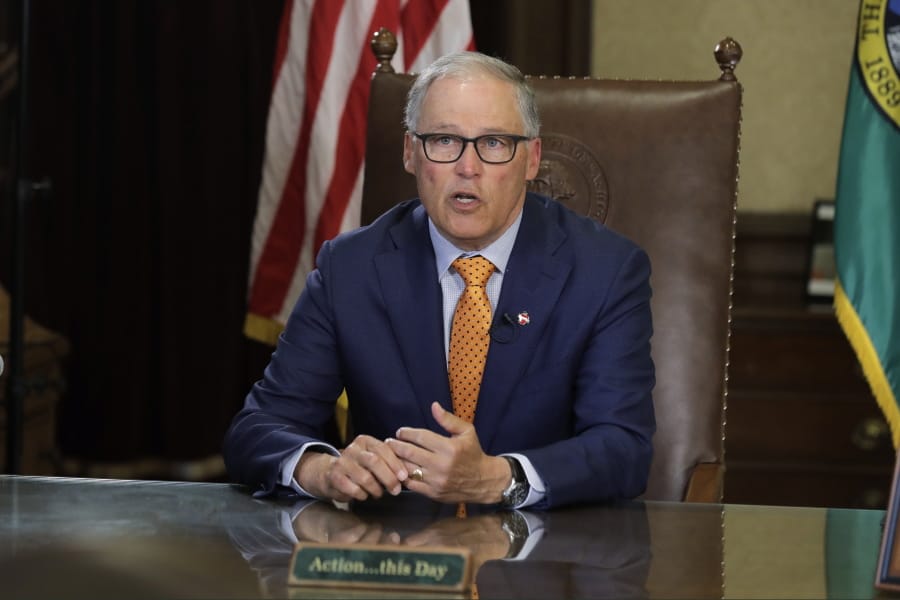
{"x":868,"y":359}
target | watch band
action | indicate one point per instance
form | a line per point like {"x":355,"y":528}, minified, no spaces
{"x":518,"y":488}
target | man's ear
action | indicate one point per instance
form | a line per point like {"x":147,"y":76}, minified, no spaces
{"x":534,"y":159}
{"x":408,"y":154}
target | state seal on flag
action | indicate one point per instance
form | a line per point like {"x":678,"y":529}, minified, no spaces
{"x":878,"y":54}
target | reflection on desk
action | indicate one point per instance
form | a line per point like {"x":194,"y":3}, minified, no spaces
{"x":105,"y":538}
{"x":586,"y":553}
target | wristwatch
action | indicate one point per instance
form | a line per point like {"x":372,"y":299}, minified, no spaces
{"x":518,"y":488}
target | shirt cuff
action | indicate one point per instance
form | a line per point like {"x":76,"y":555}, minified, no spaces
{"x":290,"y":464}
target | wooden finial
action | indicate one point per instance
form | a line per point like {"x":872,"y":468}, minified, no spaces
{"x":728,"y":54}
{"x":384,"y":44}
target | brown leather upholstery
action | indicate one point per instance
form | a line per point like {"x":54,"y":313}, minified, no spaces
{"x":658,"y":162}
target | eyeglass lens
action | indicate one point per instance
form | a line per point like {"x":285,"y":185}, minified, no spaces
{"x":490,"y":148}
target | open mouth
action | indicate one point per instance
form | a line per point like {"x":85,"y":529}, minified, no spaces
{"x":465,"y":198}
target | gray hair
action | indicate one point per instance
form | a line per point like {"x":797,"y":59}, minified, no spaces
{"x":459,"y":64}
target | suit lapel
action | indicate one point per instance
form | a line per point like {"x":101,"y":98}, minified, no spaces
{"x":533,"y":281}
{"x":412,"y":295}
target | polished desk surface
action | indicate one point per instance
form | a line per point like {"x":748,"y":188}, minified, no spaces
{"x":90,"y":538}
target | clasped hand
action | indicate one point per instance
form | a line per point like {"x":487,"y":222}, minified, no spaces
{"x":446,"y":468}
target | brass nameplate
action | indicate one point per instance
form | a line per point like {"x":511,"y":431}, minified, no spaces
{"x":378,"y":566}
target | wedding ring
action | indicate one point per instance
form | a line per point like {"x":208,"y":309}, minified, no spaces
{"x":417,"y":474}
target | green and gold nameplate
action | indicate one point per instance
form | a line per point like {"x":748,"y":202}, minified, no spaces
{"x":377,"y":566}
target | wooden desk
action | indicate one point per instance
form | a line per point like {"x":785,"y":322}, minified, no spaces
{"x":110,"y":539}
{"x":803,"y":428}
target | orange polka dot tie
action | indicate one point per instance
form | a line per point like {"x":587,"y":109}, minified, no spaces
{"x":469,"y":335}
{"x":469,"y":341}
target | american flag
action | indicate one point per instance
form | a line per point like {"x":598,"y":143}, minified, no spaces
{"x":315,"y":135}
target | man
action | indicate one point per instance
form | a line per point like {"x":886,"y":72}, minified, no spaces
{"x":563,"y":410}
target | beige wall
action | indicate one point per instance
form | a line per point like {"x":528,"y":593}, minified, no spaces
{"x":797,"y":56}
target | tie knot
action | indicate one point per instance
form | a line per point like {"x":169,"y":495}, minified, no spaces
{"x":475,"y":270}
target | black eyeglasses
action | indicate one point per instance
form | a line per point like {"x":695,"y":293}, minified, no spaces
{"x":494,"y":148}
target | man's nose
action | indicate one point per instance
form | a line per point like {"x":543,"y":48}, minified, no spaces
{"x":469,"y":162}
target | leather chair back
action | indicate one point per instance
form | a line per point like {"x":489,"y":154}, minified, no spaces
{"x":658,"y":162}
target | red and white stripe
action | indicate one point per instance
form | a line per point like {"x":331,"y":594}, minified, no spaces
{"x":315,"y":136}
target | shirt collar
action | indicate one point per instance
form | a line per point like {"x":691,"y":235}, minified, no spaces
{"x":497,"y":252}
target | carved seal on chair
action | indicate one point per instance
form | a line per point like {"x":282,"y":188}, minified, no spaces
{"x":572,"y":175}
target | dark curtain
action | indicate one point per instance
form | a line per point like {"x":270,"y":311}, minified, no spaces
{"x":149,"y":118}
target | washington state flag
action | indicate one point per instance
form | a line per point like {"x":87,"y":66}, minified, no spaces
{"x":867,"y":214}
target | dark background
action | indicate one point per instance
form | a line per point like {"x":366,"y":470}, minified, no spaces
{"x":148,"y":117}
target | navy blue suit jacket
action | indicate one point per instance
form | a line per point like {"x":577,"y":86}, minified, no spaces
{"x":571,"y":390}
